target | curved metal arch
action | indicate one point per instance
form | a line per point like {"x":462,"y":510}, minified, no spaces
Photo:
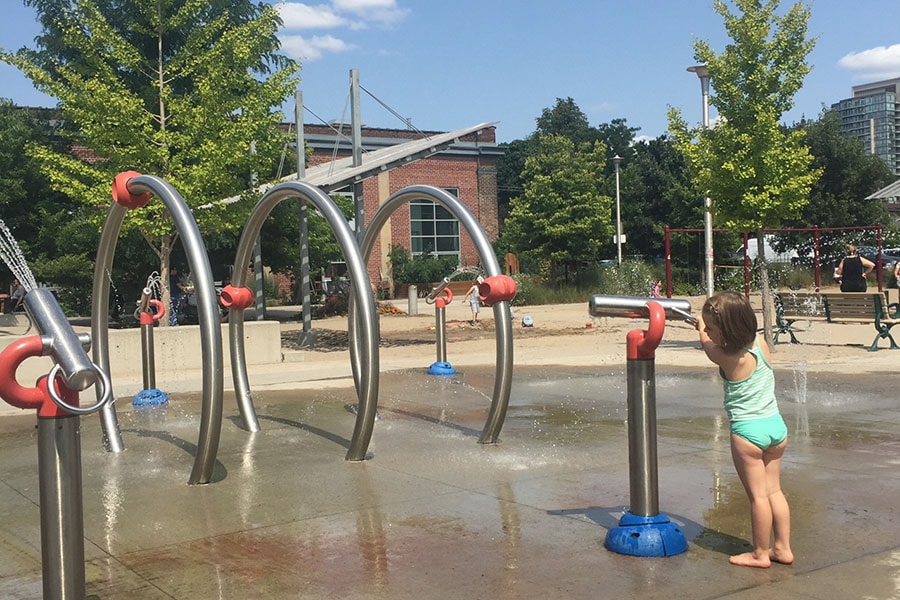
{"x":210,"y":333}
{"x":366,"y":325}
{"x":503,"y":378}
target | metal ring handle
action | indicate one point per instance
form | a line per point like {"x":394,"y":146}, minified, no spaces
{"x":105,"y":397}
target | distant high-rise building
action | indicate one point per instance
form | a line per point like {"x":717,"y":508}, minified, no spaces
{"x":873,"y":115}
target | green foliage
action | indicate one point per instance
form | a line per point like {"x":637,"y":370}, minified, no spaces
{"x":561,"y":215}
{"x":425,"y":268}
{"x":68,"y":275}
{"x":631,"y":278}
{"x":757,"y":173}
{"x":849,"y":174}
{"x":186,"y":91}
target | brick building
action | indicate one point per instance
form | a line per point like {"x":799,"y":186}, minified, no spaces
{"x":467,"y":169}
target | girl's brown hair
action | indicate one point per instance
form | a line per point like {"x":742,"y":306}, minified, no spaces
{"x":732,"y":314}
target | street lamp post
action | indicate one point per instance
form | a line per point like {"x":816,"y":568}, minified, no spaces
{"x":616,"y":160}
{"x":703,"y":73}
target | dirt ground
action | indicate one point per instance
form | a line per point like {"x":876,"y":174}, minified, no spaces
{"x":567,"y":334}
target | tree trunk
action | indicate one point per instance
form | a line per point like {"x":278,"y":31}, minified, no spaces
{"x":765,"y":292}
{"x":165,"y":265}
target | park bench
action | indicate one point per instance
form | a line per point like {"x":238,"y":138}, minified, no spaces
{"x":837,"y":307}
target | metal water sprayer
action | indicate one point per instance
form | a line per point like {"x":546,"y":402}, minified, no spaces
{"x":65,"y":346}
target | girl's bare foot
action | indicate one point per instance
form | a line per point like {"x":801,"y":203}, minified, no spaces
{"x":785,"y":557}
{"x":748,"y":559}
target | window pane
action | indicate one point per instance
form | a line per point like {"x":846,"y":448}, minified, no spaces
{"x":448,"y":244}
{"x":427,"y":227}
{"x":417,"y":245}
{"x":424,"y":211}
{"x":447,"y":228}
{"x":441,"y":213}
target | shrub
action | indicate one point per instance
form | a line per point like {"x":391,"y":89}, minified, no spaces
{"x":631,"y":278}
{"x":426,"y":268}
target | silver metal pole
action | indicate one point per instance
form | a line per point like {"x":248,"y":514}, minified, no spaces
{"x":106,"y":249}
{"x":208,"y":313}
{"x":148,"y":358}
{"x":503,"y":373}
{"x":305,"y":296}
{"x":356,"y":137}
{"x":66,"y":348}
{"x":703,"y":73}
{"x":642,"y":455}
{"x":62,"y":509}
{"x":618,"y":159}
{"x":440,"y":328}
{"x":361,"y":300}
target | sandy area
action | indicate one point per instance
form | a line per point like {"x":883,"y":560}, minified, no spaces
{"x":567,"y":335}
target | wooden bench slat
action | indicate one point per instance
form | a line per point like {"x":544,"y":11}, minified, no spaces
{"x":864,"y":307}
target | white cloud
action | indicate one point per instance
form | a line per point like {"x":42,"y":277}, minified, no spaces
{"x":882,"y":62}
{"x":310,"y":49}
{"x":302,"y":16}
{"x":338,"y":15}
{"x":382,"y":12}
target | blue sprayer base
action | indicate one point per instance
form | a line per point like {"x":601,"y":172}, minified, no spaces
{"x":646,"y":536}
{"x":146,"y":398}
{"x":441,"y":368}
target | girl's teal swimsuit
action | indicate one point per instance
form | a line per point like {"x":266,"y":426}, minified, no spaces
{"x":751,"y":405}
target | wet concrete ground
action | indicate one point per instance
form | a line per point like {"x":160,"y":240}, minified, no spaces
{"x":433,"y":514}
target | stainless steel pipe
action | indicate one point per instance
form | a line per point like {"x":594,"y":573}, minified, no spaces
{"x":635,"y":307}
{"x":65,"y":345}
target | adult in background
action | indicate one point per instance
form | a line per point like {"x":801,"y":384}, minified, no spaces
{"x":897,"y":273}
{"x":16,"y":296}
{"x":853,"y":270}
{"x":177,"y":296}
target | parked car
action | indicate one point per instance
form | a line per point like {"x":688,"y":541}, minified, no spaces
{"x":889,"y":256}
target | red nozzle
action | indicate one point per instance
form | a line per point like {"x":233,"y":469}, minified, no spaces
{"x":123,"y":196}
{"x":445,"y":299}
{"x":497,"y":288}
{"x":149,"y":317}
{"x":642,"y":344}
{"x":35,"y":397}
{"x":236,"y":298}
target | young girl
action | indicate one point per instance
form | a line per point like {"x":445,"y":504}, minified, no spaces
{"x":727,"y":328}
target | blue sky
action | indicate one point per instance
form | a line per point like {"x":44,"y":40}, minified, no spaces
{"x":451,"y":64}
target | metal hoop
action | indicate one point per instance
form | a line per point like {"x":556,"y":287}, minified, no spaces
{"x":105,"y":397}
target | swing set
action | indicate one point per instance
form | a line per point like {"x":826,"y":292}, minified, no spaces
{"x":821,"y":246}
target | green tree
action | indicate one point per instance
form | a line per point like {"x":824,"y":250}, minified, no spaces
{"x":757,"y":172}
{"x":849,"y":174}
{"x":48,"y":226}
{"x":566,"y":119}
{"x":837,"y":199}
{"x":619,"y":140}
{"x":562,"y":216}
{"x":175,"y":88}
{"x":656,"y":191}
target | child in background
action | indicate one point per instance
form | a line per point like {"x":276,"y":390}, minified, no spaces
{"x":474,"y":301}
{"x":727,"y":327}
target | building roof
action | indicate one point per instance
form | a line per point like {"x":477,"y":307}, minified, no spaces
{"x":340,"y":173}
{"x":891,"y":191}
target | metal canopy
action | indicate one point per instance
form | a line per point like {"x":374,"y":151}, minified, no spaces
{"x":340,"y":173}
{"x":890,"y":191}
